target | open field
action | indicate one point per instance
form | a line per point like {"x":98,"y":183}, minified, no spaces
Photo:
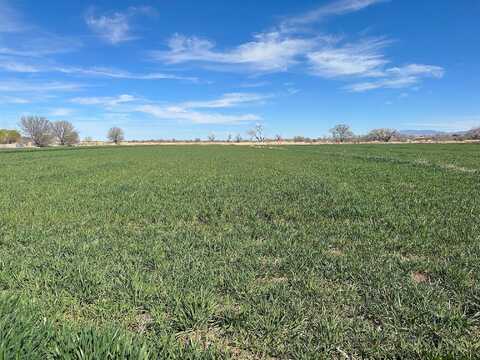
{"x":207,"y":252}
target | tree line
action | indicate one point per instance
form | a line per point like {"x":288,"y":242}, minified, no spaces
{"x":42,"y":132}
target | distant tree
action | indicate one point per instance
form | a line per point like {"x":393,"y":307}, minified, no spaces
{"x":65,"y":133}
{"x":341,"y":132}
{"x":278,"y":138}
{"x":87,"y":139}
{"x":299,"y":139}
{"x":257,"y":133}
{"x":211,"y":137}
{"x":473,"y":134}
{"x":238,"y":138}
{"x":384,"y":135}
{"x":116,"y":135}
{"x":9,"y":136}
{"x":229,"y":138}
{"x":38,"y":129}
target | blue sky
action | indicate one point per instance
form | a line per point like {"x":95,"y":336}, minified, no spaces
{"x":188,"y":68}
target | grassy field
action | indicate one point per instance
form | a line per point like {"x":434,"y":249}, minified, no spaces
{"x":189,"y":252}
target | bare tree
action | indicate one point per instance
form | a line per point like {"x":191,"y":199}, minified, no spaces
{"x":238,"y":138}
{"x":211,"y":137}
{"x":384,"y":135}
{"x":341,"y":132}
{"x":257,"y":133}
{"x":473,"y":134}
{"x":278,"y":138}
{"x":116,"y":135}
{"x":38,"y":129}
{"x":65,"y":133}
{"x":229,"y":137}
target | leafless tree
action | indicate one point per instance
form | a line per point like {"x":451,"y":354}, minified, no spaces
{"x":229,"y":137}
{"x":211,"y":137}
{"x":278,"y":138}
{"x":257,"y":133}
{"x":238,"y":138}
{"x":473,"y":134}
{"x":341,"y":132}
{"x":65,"y":133}
{"x":116,"y":135}
{"x":384,"y":135}
{"x":38,"y":129}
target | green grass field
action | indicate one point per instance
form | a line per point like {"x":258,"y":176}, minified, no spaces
{"x":206,"y":252}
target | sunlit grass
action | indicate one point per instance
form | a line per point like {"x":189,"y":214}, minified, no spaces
{"x":216,"y":252}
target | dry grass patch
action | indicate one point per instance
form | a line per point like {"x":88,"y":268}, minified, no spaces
{"x":143,"y":320}
{"x":215,"y":338}
{"x":335,"y":252}
{"x":420,"y":277}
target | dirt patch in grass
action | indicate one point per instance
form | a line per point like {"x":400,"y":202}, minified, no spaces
{"x":142,"y":322}
{"x":272,"y":280}
{"x":214,"y":337}
{"x":420,"y":277}
{"x":335,"y":252}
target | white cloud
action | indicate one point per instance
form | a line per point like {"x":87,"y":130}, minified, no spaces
{"x":61,"y":112}
{"x":182,"y":111}
{"x":362,"y":59}
{"x":121,"y":74}
{"x":228,"y":100}
{"x":106,"y":101}
{"x":185,"y":111}
{"x":400,"y":77}
{"x":267,"y":52}
{"x":415,"y":70}
{"x":115,"y":28}
{"x":335,"y":8}
{"x":15,"y":66}
{"x":28,"y":86}
{"x":13,"y":100}
{"x":36,"y":43}
{"x":321,"y":55}
{"x":183,"y":114}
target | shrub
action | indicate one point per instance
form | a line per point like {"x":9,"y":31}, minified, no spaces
{"x":9,"y":136}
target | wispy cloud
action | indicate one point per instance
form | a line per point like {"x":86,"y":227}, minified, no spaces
{"x":11,"y":65}
{"x":400,"y":77}
{"x":228,"y":100}
{"x":186,"y":111}
{"x":183,"y":114}
{"x":335,"y":8}
{"x":267,"y":52}
{"x":116,"y":27}
{"x":17,"y":86}
{"x":13,"y":100}
{"x":121,"y":74}
{"x":61,"y":112}
{"x":106,"y":101}
{"x":362,"y":59}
